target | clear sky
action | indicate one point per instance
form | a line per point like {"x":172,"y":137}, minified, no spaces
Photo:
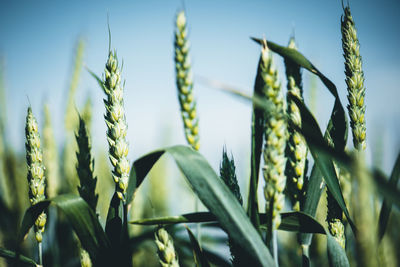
{"x":38,"y":39}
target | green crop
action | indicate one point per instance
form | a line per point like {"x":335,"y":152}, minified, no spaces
{"x":334,"y":195}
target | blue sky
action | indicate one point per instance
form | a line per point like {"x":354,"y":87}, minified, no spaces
{"x":38,"y":40}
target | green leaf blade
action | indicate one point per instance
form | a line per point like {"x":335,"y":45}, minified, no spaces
{"x":387,"y":204}
{"x":213,"y":193}
{"x":81,"y":217}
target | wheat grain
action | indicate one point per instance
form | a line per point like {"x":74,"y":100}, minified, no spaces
{"x":275,"y":141}
{"x":166,"y":250}
{"x":85,"y":258}
{"x":296,"y":146}
{"x":354,"y":79}
{"x":184,"y":82}
{"x":116,"y":124}
{"x":36,"y":178}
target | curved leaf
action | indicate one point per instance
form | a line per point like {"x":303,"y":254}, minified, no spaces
{"x":387,"y":205}
{"x":291,"y":221}
{"x":314,"y":191}
{"x":8,"y":254}
{"x":385,"y":188}
{"x":323,"y":160}
{"x":301,"y":222}
{"x":212,"y":192}
{"x":257,"y":135}
{"x":81,"y":217}
{"x":298,"y":58}
{"x":199,"y":257}
{"x":337,"y":127}
{"x":196,"y":217}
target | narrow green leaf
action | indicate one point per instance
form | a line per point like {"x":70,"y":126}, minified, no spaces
{"x":81,"y":217}
{"x":313,"y":194}
{"x":337,"y":126}
{"x":298,"y":58}
{"x":8,"y":254}
{"x":98,"y":80}
{"x":301,"y":222}
{"x":387,"y":205}
{"x":322,"y":160}
{"x":257,"y":134}
{"x":340,"y":157}
{"x":140,"y":168}
{"x":199,"y":257}
{"x":291,"y":221}
{"x":212,"y":192}
{"x":196,"y":217}
{"x":213,"y":256}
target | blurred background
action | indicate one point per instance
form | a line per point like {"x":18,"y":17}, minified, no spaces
{"x":40,"y":40}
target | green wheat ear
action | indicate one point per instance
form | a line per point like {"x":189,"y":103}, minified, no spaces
{"x":166,"y":249}
{"x":275,"y":141}
{"x":85,"y":259}
{"x":228,"y":175}
{"x":296,"y":147}
{"x":36,"y":178}
{"x":116,"y":124}
{"x":184,"y":82}
{"x":85,"y":167}
{"x":354,"y":79}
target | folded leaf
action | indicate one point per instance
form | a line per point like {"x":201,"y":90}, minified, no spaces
{"x":214,"y":194}
{"x":82,"y":219}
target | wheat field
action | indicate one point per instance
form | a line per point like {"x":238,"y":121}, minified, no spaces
{"x":237,"y":145}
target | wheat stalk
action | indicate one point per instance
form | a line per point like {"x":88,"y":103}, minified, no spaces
{"x":184,"y":82}
{"x":275,"y":141}
{"x":166,"y":250}
{"x":354,"y":79}
{"x":36,"y":178}
{"x":296,"y":146}
{"x":116,"y":124}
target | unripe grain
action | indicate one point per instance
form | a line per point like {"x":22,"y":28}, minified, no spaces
{"x":116,"y":124}
{"x":36,"y":179}
{"x":184,"y":82}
